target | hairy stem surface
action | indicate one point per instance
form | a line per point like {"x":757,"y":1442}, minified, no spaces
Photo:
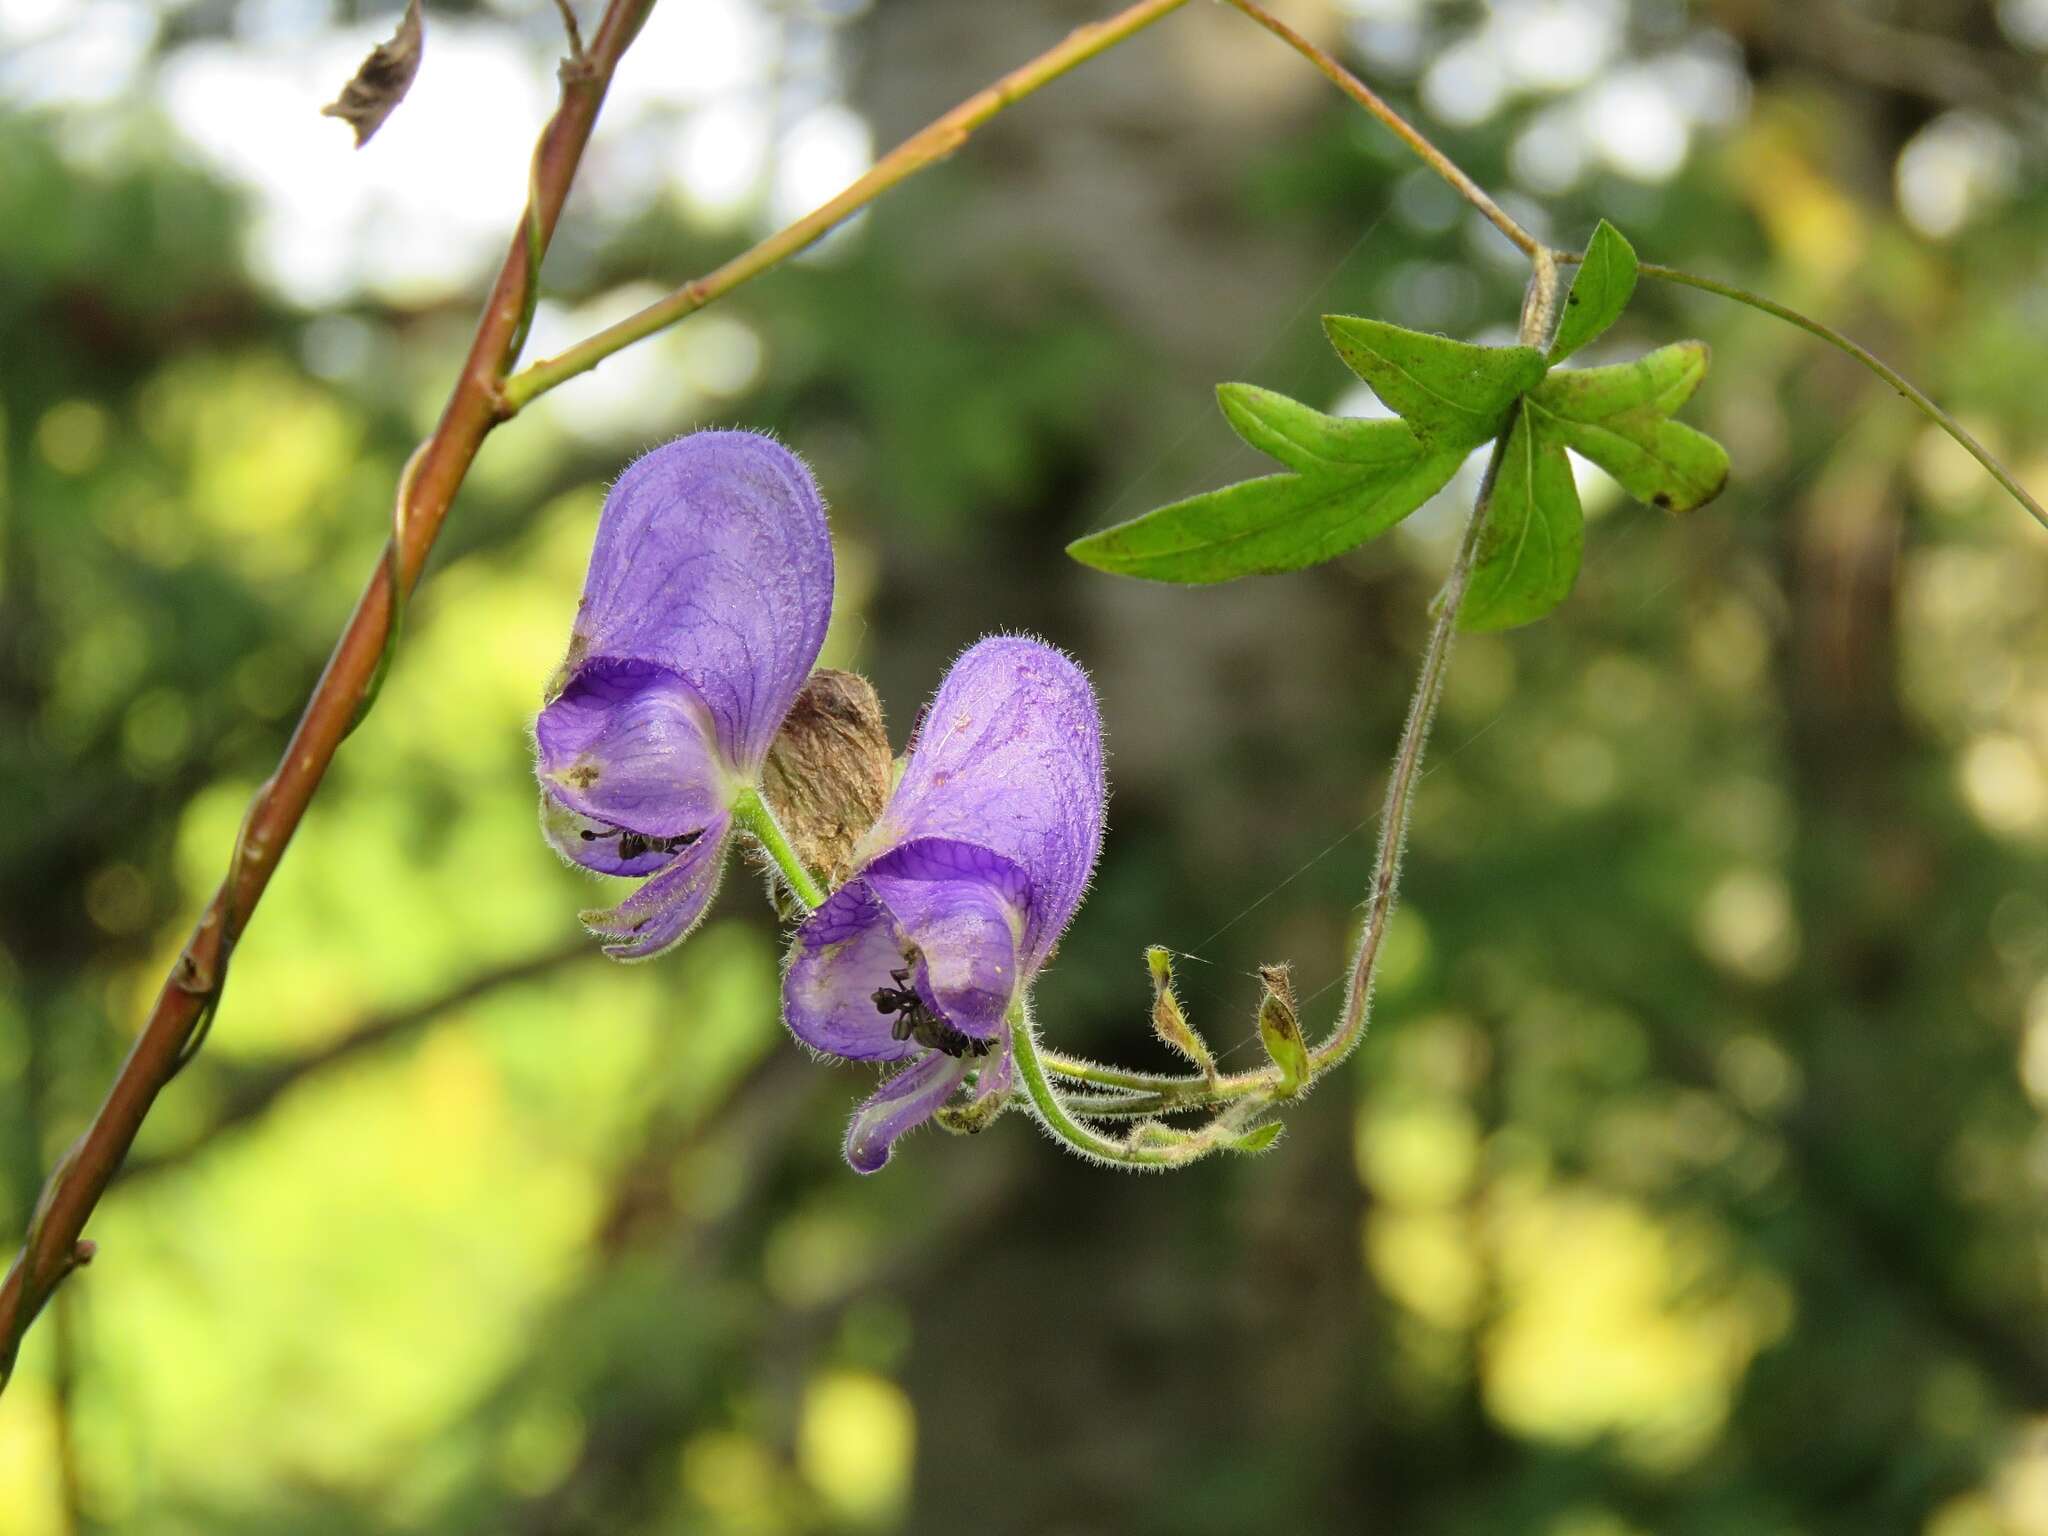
{"x":752,"y":812}
{"x":1052,"y":1111}
{"x":1538,"y":315}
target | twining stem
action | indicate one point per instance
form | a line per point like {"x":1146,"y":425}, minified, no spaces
{"x":1402,"y":129}
{"x":752,"y":812}
{"x":1868,"y":359}
{"x":1156,"y":1095}
{"x":1145,"y":1094}
{"x":52,"y":1247}
{"x":1081,"y":1070}
{"x":925,"y":148}
{"x":1539,"y":312}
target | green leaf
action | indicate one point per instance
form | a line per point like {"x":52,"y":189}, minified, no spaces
{"x":1599,"y":293}
{"x":1663,"y":462}
{"x":1452,"y":393}
{"x":1661,"y":382}
{"x":1619,"y":418}
{"x":1258,"y":1139}
{"x":1528,"y":555}
{"x":1306,"y":440}
{"x":1353,"y":480}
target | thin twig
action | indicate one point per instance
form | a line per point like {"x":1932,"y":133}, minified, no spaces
{"x":482,"y":397}
{"x":575,"y":32}
{"x":1868,"y":359}
{"x":1402,"y":129}
{"x":191,"y":993}
{"x":256,"y":1089}
{"x":923,"y":149}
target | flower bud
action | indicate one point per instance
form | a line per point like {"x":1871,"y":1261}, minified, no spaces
{"x":827,"y":774}
{"x":1280,"y":1029}
{"x":1169,"y":1023}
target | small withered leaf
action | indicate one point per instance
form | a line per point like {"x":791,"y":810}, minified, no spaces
{"x":382,"y":81}
{"x":827,"y":775}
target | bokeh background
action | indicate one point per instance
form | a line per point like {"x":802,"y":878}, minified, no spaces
{"x":1692,"y":1178}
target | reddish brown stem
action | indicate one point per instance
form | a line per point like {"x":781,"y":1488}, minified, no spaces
{"x":53,"y":1248}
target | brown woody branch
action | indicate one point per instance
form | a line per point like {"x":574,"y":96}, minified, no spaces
{"x":253,"y":1090}
{"x":53,"y":1246}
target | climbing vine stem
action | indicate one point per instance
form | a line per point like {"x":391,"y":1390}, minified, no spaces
{"x":1869,"y":359}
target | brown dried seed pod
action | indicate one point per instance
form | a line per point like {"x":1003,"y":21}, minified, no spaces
{"x":827,"y":775}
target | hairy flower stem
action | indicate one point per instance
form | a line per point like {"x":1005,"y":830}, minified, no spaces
{"x":1539,"y":313}
{"x":923,"y":149}
{"x":1053,"y":1114}
{"x":1142,"y":1094}
{"x":1148,"y":1095}
{"x":751,"y":812}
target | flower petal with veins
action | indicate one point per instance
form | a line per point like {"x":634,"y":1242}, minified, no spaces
{"x":1010,"y":757}
{"x":713,"y":562}
{"x":705,"y":605}
{"x":664,"y":910}
{"x":901,"y":1104}
{"x":964,"y":886}
{"x":630,"y":745}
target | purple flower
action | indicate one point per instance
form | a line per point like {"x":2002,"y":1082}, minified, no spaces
{"x":709,"y":590}
{"x":960,"y":891}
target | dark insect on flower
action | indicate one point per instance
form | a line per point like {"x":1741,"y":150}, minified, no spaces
{"x":709,"y":589}
{"x":959,"y":891}
{"x":632,"y":845}
{"x":916,"y":1022}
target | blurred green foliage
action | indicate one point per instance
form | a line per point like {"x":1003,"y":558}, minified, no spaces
{"x":1691,"y":1178}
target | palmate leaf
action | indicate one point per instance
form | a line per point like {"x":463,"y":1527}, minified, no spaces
{"x":1350,"y":480}
{"x":1600,"y":291}
{"x":1528,"y":555}
{"x":1619,"y":417}
{"x":1450,"y":392}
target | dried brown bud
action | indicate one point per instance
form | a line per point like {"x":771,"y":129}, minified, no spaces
{"x":827,"y":775}
{"x":382,"y":81}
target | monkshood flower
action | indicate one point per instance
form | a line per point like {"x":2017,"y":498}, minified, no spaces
{"x":706,"y":603}
{"x":960,"y":890}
